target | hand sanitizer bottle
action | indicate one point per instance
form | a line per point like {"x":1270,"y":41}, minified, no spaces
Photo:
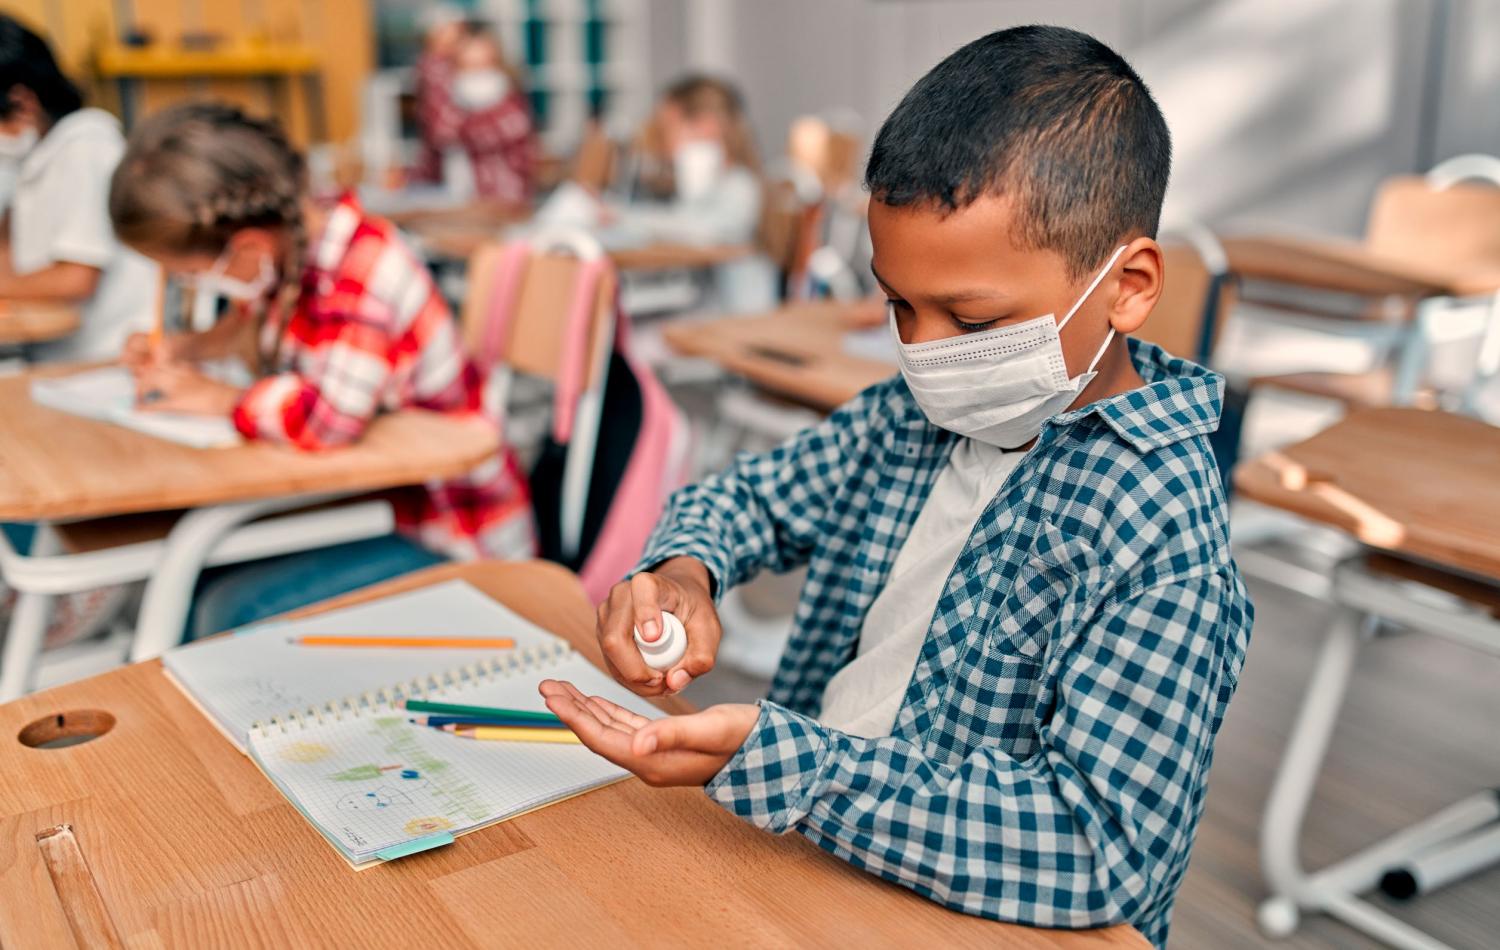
{"x":668,"y":648}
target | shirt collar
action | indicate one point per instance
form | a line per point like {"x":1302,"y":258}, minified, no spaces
{"x":1179,"y":401}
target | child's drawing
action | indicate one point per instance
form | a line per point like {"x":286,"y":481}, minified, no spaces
{"x":382,"y":797}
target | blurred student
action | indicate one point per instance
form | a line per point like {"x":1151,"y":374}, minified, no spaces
{"x":1021,"y":625}
{"x":702,"y":125}
{"x":341,"y":321}
{"x":473,"y":115}
{"x":56,"y":243}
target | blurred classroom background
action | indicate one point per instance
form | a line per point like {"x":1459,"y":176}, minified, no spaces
{"x":1333,"y":236}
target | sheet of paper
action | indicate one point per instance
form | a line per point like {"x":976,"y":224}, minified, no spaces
{"x":108,"y":395}
{"x":259,"y":673}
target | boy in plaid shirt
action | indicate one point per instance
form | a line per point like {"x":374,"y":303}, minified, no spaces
{"x":1021,"y":625}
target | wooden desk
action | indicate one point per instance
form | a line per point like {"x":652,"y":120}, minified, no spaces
{"x":1421,"y":486}
{"x":31,"y":321}
{"x":187,"y":845}
{"x":1330,"y":265}
{"x":59,"y":466}
{"x":1408,"y":481}
{"x":796,"y":352}
{"x":450,"y":237}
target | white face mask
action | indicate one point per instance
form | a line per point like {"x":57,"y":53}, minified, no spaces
{"x":998,"y":386}
{"x":479,"y":89}
{"x":15,"y":147}
{"x":695,"y":167}
{"x":214,"y":280}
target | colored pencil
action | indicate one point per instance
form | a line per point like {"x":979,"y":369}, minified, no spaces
{"x":512,"y":734}
{"x":444,"y":643}
{"x":478,"y":712}
{"x":427,"y":719}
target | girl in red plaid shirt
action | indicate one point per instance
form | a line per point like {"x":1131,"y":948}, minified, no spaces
{"x":341,"y":319}
{"x":470,"y":102}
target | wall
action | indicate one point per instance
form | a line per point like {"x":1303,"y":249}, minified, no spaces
{"x":1284,"y":112}
{"x":339,"y":29}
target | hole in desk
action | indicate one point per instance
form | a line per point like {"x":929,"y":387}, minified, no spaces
{"x":60,"y":730}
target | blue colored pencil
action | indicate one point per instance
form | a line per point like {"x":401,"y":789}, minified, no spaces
{"x":438,"y":721}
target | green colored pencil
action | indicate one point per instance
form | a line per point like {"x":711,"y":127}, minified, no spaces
{"x":453,"y":709}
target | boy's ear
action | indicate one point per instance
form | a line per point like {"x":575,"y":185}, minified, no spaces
{"x":1141,"y":275}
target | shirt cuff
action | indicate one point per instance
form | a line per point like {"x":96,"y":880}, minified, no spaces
{"x":683,"y":543}
{"x":777,"y":773}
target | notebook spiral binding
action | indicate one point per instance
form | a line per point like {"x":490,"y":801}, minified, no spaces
{"x":390,"y":698}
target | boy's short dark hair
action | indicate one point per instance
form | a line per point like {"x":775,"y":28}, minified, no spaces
{"x":1049,"y":116}
{"x":26,"y":60}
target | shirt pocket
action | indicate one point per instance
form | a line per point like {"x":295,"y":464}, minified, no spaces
{"x":1061,"y":579}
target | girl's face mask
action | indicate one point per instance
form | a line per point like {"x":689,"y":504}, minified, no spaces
{"x":215,"y":279}
{"x":17,"y":145}
{"x":998,"y":386}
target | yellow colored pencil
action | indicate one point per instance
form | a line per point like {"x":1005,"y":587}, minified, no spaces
{"x":514,"y":734}
{"x":444,"y":643}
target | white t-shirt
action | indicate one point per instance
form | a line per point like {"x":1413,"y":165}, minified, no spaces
{"x":863,"y":698}
{"x":725,"y":212}
{"x":60,"y":212}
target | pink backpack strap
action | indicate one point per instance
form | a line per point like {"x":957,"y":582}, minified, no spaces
{"x":505,"y":298}
{"x":575,"y":357}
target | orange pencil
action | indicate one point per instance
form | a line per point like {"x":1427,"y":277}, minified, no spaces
{"x":158,"y":329}
{"x":448,"y":643}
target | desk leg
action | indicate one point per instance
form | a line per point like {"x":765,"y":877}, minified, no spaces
{"x":28,"y":626}
{"x":197,"y":534}
{"x":1334,"y":889}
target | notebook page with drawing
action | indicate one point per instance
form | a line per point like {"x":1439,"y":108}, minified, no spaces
{"x":379,"y":787}
{"x":107,"y":394}
{"x":258,"y":672}
{"x":325,"y":723}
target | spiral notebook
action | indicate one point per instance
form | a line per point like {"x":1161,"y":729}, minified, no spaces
{"x":325,"y":724}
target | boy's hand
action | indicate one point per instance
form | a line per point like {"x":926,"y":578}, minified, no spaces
{"x":177,"y":387}
{"x":679,"y":585}
{"x":677,"y":750}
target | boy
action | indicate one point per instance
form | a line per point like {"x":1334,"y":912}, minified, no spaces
{"x":1021,"y":625}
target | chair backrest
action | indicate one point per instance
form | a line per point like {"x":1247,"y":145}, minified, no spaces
{"x":1195,"y":299}
{"x":785,"y":234}
{"x":1451,"y":230}
{"x":594,"y":162}
{"x":828,"y":153}
{"x":536,"y":335}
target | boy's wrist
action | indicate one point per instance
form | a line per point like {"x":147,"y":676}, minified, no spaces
{"x":688,"y":571}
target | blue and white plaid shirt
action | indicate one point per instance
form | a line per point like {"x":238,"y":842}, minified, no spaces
{"x":1048,"y":763}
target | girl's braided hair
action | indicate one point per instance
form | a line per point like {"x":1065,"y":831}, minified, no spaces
{"x":195,"y":174}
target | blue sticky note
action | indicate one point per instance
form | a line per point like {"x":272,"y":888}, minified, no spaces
{"x":415,"y":845}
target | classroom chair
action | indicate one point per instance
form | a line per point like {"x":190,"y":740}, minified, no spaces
{"x":172,"y":548}
{"x":547,"y":307}
{"x":1442,"y":228}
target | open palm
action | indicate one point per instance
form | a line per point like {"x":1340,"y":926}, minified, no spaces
{"x":677,"y":750}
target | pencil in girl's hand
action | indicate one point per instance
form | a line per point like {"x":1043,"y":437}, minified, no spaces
{"x":158,"y":326}
{"x":437,"y":643}
{"x":512,"y":734}
{"x":436,"y":721}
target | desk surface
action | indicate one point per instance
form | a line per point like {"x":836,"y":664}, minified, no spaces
{"x":796,"y":351}
{"x":455,"y":235}
{"x":188,"y":845}
{"x":29,"y":321}
{"x":1412,"y":482}
{"x":1346,"y":266}
{"x":58,"y":466}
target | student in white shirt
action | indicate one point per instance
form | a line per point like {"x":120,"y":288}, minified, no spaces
{"x":717,"y":194}
{"x":57,"y":243}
